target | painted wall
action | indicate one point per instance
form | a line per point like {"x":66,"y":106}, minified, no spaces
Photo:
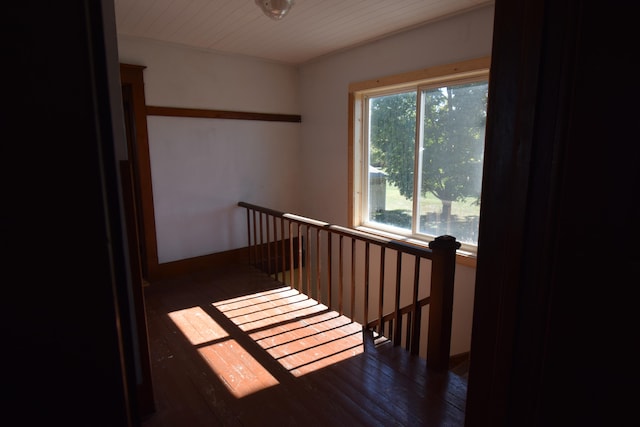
{"x":202,"y":167}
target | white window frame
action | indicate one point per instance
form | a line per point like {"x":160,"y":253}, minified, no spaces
{"x":450,"y":74}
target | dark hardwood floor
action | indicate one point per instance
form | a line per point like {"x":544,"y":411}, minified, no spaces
{"x":233,"y":347}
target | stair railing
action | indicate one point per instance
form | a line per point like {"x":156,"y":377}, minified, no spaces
{"x":335,"y":265}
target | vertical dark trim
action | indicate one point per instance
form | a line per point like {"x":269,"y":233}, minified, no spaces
{"x":146,"y":402}
{"x":553,"y":308}
{"x":132,"y":80}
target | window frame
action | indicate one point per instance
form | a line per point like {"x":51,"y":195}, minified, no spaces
{"x":455,"y":73}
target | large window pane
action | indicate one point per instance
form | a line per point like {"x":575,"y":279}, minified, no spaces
{"x":391,"y":136}
{"x":418,"y":147}
{"x":452,"y":130}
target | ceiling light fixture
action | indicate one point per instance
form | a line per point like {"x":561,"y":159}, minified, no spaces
{"x":275,"y":9}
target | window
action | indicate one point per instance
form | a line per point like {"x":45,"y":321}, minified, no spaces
{"x":417,"y":152}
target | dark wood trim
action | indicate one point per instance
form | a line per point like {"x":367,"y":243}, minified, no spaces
{"x":220,"y":114}
{"x":146,"y":402}
{"x":508,"y":169}
{"x":552,"y":149}
{"x":132,"y":78}
{"x":185,"y":266}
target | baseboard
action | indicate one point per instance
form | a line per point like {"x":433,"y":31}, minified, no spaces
{"x":457,"y":359}
{"x":185,"y":266}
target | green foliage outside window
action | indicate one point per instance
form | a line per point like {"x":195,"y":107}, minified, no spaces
{"x":451,"y":143}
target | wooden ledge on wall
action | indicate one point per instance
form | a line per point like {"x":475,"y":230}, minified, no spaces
{"x":221,"y":114}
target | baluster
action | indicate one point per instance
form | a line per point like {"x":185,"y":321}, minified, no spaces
{"x":366,"y":285}
{"x":329,"y":273}
{"x":249,"y":245}
{"x":318,"y":294}
{"x":291,"y":256}
{"x":308,"y":261}
{"x":284,"y":253}
{"x":417,"y":318}
{"x":255,"y":239}
{"x":353,"y":278}
{"x":381,"y":292}
{"x":300,"y":261}
{"x":340,"y":273}
{"x":397,"y":337}
{"x":268,"y":244}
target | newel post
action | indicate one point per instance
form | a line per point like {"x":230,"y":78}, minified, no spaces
{"x":443,"y":269}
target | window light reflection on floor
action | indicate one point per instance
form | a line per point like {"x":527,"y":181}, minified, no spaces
{"x":299,"y":333}
{"x":244,"y":375}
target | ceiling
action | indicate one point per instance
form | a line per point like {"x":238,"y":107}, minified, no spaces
{"x":312,"y":28}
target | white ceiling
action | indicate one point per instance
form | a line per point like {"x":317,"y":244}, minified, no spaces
{"x":312,"y":28}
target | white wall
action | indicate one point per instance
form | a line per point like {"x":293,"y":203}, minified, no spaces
{"x":324,"y":99}
{"x":182,"y":77}
{"x":201,"y":168}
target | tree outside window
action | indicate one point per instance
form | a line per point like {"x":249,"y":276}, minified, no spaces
{"x":428,"y":138}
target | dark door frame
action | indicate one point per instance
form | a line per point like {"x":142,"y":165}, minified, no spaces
{"x":138,"y":145}
{"x":139,"y":215}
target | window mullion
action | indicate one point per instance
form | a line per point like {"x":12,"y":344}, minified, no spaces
{"x":417,"y":167}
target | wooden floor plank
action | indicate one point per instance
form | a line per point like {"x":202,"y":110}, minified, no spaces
{"x":233,"y":347}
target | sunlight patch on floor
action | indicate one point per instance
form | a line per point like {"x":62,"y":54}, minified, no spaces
{"x":197,"y":326}
{"x":297,"y":331}
{"x":236,"y":368}
{"x":240,"y":372}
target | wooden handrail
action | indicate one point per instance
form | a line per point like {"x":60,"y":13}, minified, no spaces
{"x":281,"y":243}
